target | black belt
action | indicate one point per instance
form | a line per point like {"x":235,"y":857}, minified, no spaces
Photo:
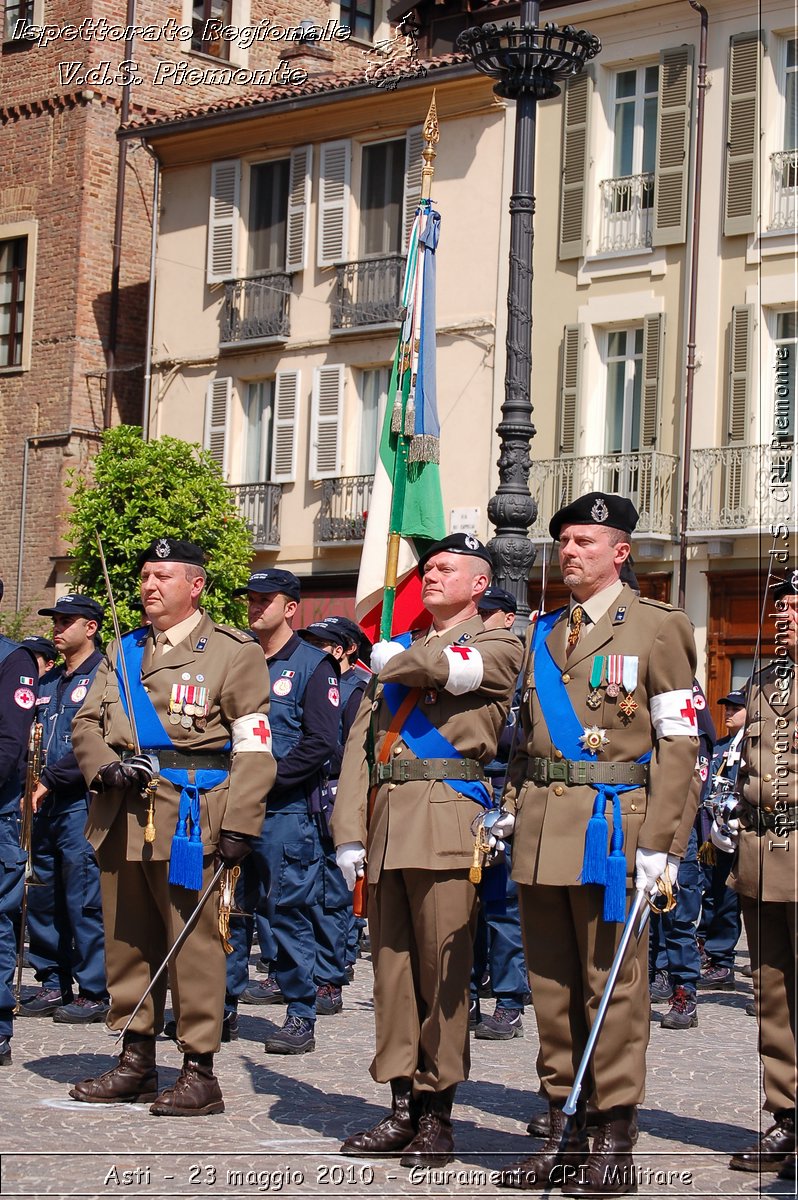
{"x":175,"y":761}
{"x":776,"y":820}
{"x":405,"y":770}
{"x":567,"y":770}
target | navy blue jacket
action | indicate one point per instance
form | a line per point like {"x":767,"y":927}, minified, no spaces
{"x":60,"y":697}
{"x":304,"y":713}
{"x":19,"y":686}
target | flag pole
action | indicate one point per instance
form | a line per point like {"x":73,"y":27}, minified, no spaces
{"x":431,"y":135}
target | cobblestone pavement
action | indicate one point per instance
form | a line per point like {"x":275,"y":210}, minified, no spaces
{"x":286,"y":1116}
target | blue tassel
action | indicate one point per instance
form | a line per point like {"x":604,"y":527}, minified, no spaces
{"x":594,"y":860}
{"x":185,"y":860}
{"x":615,"y":885}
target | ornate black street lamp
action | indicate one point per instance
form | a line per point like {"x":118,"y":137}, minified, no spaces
{"x":527,"y":62}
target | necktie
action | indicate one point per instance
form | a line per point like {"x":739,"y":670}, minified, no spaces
{"x":574,"y":627}
{"x":162,"y":644}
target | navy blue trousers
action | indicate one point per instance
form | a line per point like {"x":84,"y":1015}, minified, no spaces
{"x":12,"y":882}
{"x":672,"y":943}
{"x":720,"y":925}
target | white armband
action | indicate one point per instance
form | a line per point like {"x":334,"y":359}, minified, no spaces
{"x":466,"y":669}
{"x":251,"y":732}
{"x":673,"y":714}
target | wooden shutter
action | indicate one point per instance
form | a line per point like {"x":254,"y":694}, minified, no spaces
{"x":653,"y":367}
{"x":223,"y":220}
{"x":333,"y":239}
{"x":672,"y":173}
{"x":575,"y":119}
{"x":570,"y":383}
{"x":325,"y":424}
{"x":217,"y":405}
{"x":414,"y":144}
{"x":296,"y":242}
{"x":741,"y":338}
{"x":286,"y":418}
{"x":742,"y":135}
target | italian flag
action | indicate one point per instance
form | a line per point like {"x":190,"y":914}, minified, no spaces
{"x":406,"y":500}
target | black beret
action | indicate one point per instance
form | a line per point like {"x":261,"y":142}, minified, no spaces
{"x":74,"y":605}
{"x":496,"y":599}
{"x":596,"y":508}
{"x":325,"y":631}
{"x":169,"y":549}
{"x":787,"y":586}
{"x":456,"y":543}
{"x":40,"y":645}
{"x":272,"y":580}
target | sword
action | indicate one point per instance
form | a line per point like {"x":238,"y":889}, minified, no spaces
{"x":635,"y":924}
{"x":178,"y":942}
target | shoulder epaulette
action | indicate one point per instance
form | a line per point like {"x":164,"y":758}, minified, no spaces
{"x":238,"y":635}
{"x":658,"y":604}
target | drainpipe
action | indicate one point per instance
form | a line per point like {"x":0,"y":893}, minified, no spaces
{"x":36,"y":440}
{"x":687,"y":442}
{"x":156,"y":200}
{"x":119,"y":212}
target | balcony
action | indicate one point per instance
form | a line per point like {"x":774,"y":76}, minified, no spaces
{"x":646,"y":478}
{"x":259,"y":505}
{"x":255,"y":309}
{"x":627,"y":205}
{"x":740,"y":488}
{"x":783,"y":189}
{"x":344,"y":508}
{"x":368,"y":292}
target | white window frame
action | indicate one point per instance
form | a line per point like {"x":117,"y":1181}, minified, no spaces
{"x":9,"y":232}
{"x":601,"y":130}
{"x":355,"y":421}
{"x":763,"y":411}
{"x":240,"y":16}
{"x":265,"y":451}
{"x":629,"y":330}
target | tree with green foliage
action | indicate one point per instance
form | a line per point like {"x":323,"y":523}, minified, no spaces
{"x":138,"y":491}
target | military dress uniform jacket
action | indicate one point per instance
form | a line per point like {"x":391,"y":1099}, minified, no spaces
{"x":765,"y":867}
{"x":552,"y":818}
{"x":425,"y":823}
{"x":231,"y":667}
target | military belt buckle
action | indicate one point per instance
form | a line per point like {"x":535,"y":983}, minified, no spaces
{"x":579,"y":772}
{"x":557,"y":771}
{"x":384,"y":771}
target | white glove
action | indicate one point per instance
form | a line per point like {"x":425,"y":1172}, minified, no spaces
{"x":649,"y":865}
{"x":382,"y":653}
{"x":502,"y":830}
{"x":721,"y":839}
{"x":351,"y":859}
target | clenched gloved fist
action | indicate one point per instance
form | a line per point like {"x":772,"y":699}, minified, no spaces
{"x":725,"y":835}
{"x":132,"y":775}
{"x":351,"y":859}
{"x":501,"y":830}
{"x":233,"y":848}
{"x":649,"y":866}
{"x":382,"y":653}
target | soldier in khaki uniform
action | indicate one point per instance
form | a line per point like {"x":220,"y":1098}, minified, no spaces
{"x":616,"y":670}
{"x":765,"y":872}
{"x":200,"y":695}
{"x":457,"y":679}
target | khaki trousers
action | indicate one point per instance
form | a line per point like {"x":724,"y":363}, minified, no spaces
{"x":143,"y":916}
{"x":422,"y":926}
{"x":569,"y":952}
{"x":771,"y":931}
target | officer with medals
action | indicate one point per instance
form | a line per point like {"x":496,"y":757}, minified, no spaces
{"x":764,"y":830}
{"x":65,"y":918}
{"x":19,"y":684}
{"x":411,"y":801}
{"x":161,"y":819}
{"x":284,"y":875}
{"x":603,"y":769}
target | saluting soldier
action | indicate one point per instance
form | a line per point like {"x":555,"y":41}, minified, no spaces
{"x":764,"y":874}
{"x":603,"y":767}
{"x":200,"y":699}
{"x":442,"y":695}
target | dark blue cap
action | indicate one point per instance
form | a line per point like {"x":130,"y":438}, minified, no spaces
{"x":456,"y":543}
{"x":735,"y":699}
{"x":40,"y":645}
{"x":74,"y":605}
{"x":326,"y":631}
{"x":272,"y":580}
{"x":496,"y":599}
{"x":596,"y":508}
{"x":350,"y":630}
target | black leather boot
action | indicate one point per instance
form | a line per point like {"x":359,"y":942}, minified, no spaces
{"x":559,"y":1159}
{"x":773,"y":1149}
{"x":433,"y":1145}
{"x":393,"y":1132}
{"x":609,"y":1170}
{"x":134,"y":1080}
{"x":196,"y":1091}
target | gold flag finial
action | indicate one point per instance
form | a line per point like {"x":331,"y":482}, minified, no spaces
{"x":431,"y":135}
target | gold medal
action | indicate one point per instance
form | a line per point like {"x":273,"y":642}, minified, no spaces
{"x":628,"y":707}
{"x":174,"y":718}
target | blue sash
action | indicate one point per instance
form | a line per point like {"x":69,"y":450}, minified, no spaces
{"x":425,"y":741}
{"x":185,"y":859}
{"x":558,"y":712}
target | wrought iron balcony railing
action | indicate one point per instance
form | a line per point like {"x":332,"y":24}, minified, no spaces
{"x":259,"y":505}
{"x":740,"y":487}
{"x":646,"y":478}
{"x":627,"y":205}
{"x":783,"y":189}
{"x":368,"y":292}
{"x":344,"y":508}
{"x":256,"y":308}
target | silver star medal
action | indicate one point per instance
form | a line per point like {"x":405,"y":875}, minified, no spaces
{"x":594,"y":740}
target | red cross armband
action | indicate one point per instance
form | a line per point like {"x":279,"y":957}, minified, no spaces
{"x":673,"y":714}
{"x":251,"y":732}
{"x":466,"y":669}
